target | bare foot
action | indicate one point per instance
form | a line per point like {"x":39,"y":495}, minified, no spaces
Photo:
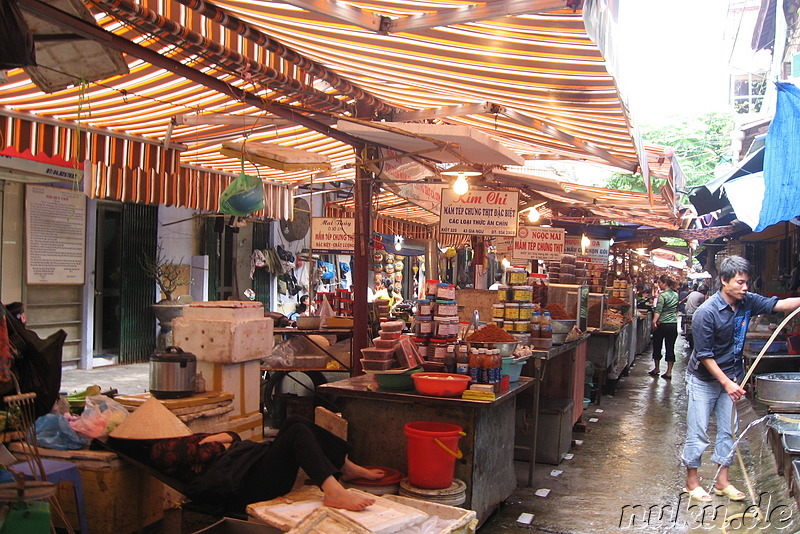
{"x":342,"y":498}
{"x":351,"y":471}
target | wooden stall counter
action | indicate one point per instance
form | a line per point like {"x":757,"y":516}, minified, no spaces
{"x":376,"y":420}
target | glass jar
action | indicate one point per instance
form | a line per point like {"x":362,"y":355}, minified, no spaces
{"x":526,"y":311}
{"x":423,"y":325}
{"x":502,"y":293}
{"x":424,"y":307}
{"x":445,"y":291}
{"x":516,"y":276}
{"x":430,"y":287}
{"x":437,"y":349}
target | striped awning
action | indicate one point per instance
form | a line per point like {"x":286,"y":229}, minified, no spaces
{"x":525,"y":74}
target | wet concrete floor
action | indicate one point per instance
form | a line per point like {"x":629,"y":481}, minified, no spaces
{"x":625,"y":476}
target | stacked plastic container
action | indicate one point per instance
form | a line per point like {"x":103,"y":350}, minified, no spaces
{"x":436,"y":323}
{"x":383,"y":355}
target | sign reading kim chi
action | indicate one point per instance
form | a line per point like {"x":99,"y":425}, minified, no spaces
{"x":333,"y":235}
{"x":536,"y":243}
{"x":479,"y":213}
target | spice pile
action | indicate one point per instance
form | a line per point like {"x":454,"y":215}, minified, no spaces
{"x":490,"y":334}
{"x":616,"y":301}
{"x":613,"y":320}
{"x":558,"y":313}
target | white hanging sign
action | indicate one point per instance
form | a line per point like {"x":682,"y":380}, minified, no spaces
{"x":596,"y":252}
{"x":333,"y":234}
{"x":536,"y":243}
{"x":479,"y":212}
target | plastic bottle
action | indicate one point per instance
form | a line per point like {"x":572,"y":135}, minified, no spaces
{"x":497,"y":367}
{"x":474,"y":365}
{"x":536,"y":318}
{"x":450,"y":360}
{"x":462,"y":360}
{"x":546,"y":326}
{"x":486,"y":367}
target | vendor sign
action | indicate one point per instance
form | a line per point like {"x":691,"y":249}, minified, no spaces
{"x":410,"y":175}
{"x":333,"y":234}
{"x":535,"y":243}
{"x":479,"y":213}
{"x":596,"y":252}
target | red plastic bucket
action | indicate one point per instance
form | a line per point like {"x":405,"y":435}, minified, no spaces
{"x":432,"y":453}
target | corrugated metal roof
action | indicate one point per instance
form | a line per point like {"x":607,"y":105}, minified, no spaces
{"x":547,"y":82}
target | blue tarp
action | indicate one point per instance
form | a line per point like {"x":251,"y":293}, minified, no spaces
{"x":782,"y":160}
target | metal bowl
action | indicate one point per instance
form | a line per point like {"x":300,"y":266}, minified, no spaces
{"x":779,"y":389}
{"x":506,"y":349}
{"x":562,"y":326}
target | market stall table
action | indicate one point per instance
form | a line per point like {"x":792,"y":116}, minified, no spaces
{"x":566,"y":367}
{"x":376,"y":420}
{"x":611,"y":352}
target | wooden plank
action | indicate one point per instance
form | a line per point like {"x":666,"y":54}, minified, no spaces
{"x":332,"y":422}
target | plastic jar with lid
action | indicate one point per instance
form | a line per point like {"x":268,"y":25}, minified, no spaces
{"x":526,"y":311}
{"x":512,"y":311}
{"x":424,"y":307}
{"x":499,"y":323}
{"x":446,"y":307}
{"x":498,"y":311}
{"x":502,"y":293}
{"x":522,"y":293}
{"x":421,"y":344}
{"x":441,"y":326}
{"x":430,"y":287}
{"x":445,"y":291}
{"x":516,"y":276}
{"x":423,"y":325}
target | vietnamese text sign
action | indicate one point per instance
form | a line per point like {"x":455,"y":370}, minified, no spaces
{"x":333,"y":235}
{"x":55,"y":221}
{"x":479,"y":213}
{"x":596,"y":252}
{"x":535,"y":243}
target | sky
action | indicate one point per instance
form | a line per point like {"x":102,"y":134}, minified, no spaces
{"x":676,"y":56}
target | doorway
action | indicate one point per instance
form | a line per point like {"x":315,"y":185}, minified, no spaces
{"x":108,"y":276}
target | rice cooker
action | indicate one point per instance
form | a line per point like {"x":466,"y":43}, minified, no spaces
{"x":172,"y":373}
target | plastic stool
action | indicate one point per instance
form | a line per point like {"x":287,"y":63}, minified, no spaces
{"x":58,"y":471}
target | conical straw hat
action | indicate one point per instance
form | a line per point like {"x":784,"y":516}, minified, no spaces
{"x":151,"y":420}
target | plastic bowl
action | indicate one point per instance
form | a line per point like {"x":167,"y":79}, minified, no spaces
{"x":440,"y":384}
{"x":513,"y":368}
{"x":506,"y":349}
{"x":397,"y":381}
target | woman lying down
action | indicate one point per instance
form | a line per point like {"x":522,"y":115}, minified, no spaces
{"x":230,"y":473}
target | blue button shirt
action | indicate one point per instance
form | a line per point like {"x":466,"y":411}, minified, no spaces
{"x":719,"y":333}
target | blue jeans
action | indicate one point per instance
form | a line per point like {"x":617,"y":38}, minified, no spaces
{"x":706,"y":398}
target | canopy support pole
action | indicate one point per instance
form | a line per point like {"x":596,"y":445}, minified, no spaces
{"x":362,"y":191}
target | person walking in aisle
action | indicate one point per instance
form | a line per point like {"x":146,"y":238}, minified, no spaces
{"x":693,"y":301}
{"x":665,"y":326}
{"x":716,"y":369}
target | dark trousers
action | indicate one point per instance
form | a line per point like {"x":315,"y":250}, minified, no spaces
{"x":665,"y":334}
{"x":299,"y":444}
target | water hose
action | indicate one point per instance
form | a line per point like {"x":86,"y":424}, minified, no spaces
{"x":747,"y":376}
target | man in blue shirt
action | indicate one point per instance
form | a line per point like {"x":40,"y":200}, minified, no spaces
{"x":716,"y":368}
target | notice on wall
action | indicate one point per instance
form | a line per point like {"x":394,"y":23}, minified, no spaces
{"x":596,"y":252}
{"x":333,"y":235}
{"x":479,"y":213}
{"x":55,"y":222}
{"x":535,"y":243}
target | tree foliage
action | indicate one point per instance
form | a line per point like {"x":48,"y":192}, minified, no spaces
{"x":700,"y":144}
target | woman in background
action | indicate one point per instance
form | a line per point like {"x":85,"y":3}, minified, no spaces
{"x":665,"y":326}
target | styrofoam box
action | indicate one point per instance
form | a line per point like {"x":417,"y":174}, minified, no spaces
{"x":224,"y":310}
{"x":242,"y":379}
{"x":222,"y":340}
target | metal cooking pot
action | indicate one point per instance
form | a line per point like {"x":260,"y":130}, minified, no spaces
{"x":779,"y":390}
{"x":172,"y":373}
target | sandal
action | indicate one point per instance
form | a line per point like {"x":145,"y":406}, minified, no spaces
{"x":666,"y":377}
{"x":653,"y":373}
{"x":699,"y":494}
{"x":730,"y":492}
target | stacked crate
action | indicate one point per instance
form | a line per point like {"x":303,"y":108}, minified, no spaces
{"x":229,"y":339}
